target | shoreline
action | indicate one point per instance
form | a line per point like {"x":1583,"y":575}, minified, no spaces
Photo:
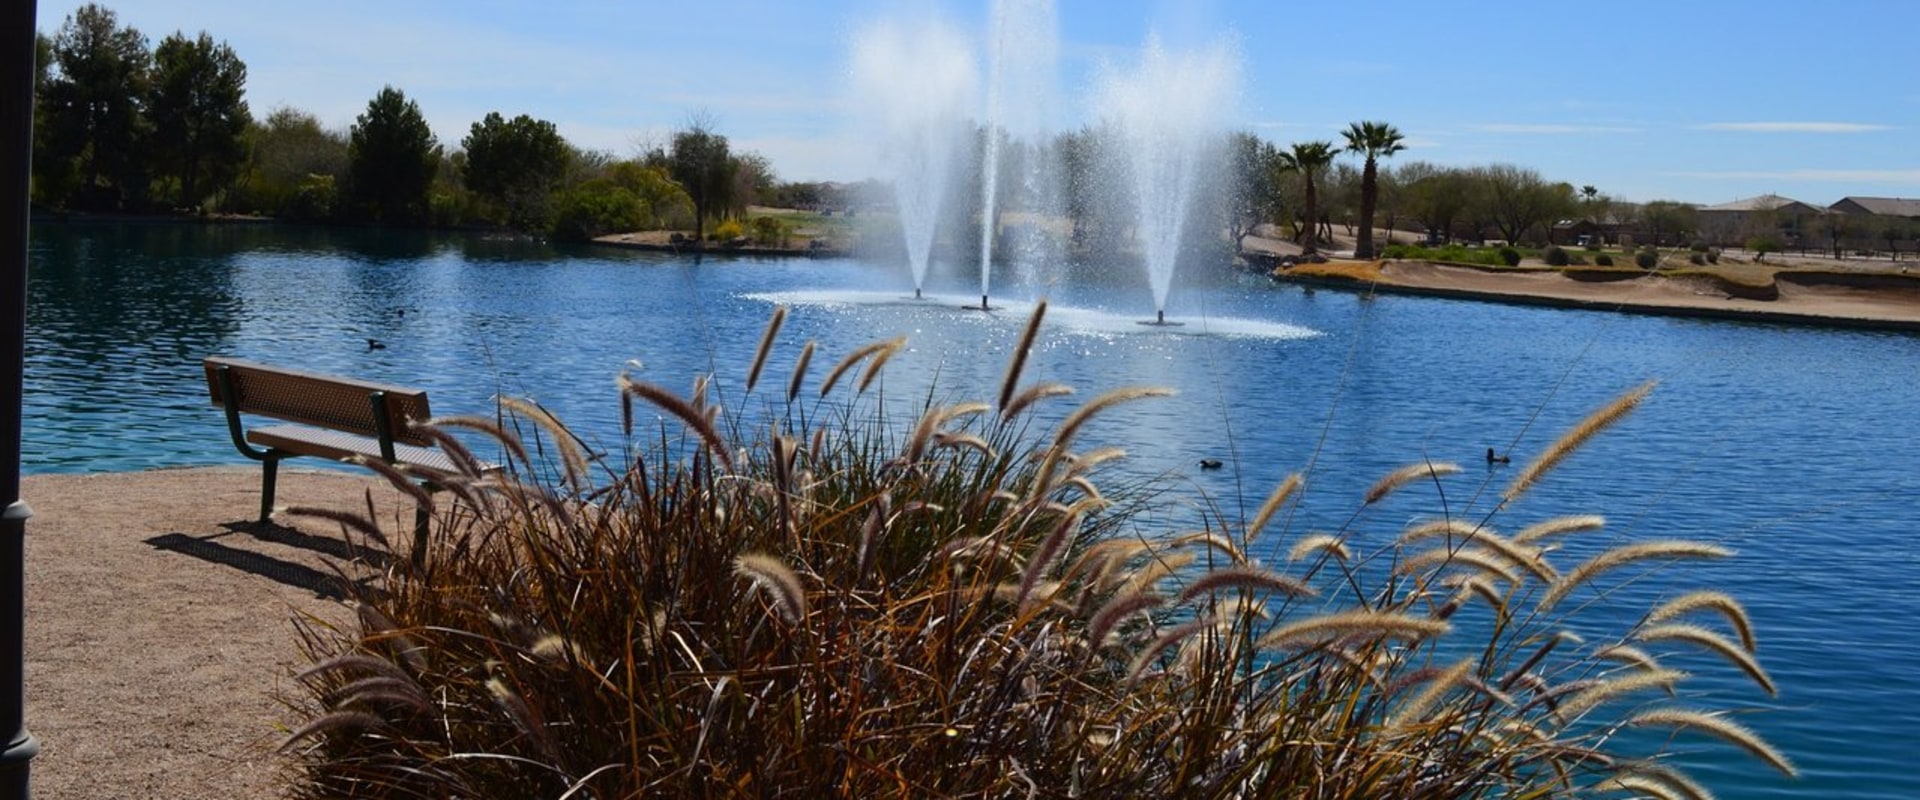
{"x":1867,"y":301}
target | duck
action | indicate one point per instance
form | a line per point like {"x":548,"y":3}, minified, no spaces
{"x":1495,"y":458}
{"x":376,"y":344}
{"x":1210,"y":463}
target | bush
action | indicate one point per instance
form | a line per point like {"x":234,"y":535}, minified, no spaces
{"x":1713,"y":255}
{"x":1510,"y":256}
{"x":949,"y":607}
{"x":1556,"y":257}
{"x":1647,"y":258}
{"x":597,"y":208}
{"x":1603,"y":260}
{"x":769,"y":231}
{"x":1697,"y":259}
{"x":727,"y":231}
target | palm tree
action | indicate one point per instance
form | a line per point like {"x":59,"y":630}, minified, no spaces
{"x":1308,"y":158}
{"x":1375,"y":140}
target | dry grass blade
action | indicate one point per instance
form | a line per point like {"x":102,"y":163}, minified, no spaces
{"x":1267,"y":509}
{"x":400,"y":480}
{"x":1629,"y":655}
{"x":1714,"y":642}
{"x":353,"y":521}
{"x":490,"y":428}
{"x":1658,"y":781}
{"x":1401,"y":477}
{"x":879,"y":361}
{"x":1559,"y":526}
{"x":1317,"y":544}
{"x":1414,"y":711}
{"x":1707,"y":599}
{"x":1352,"y":623}
{"x":1622,"y":556}
{"x":1482,"y":561}
{"x":1018,"y":362}
{"x":1635,"y":681}
{"x":775,"y":578}
{"x":572,"y":460}
{"x":1248,"y":578}
{"x":1715,"y":725}
{"x":1070,"y":427}
{"x":1213,"y":541}
{"x":766,"y":346}
{"x":800,"y":370}
{"x":1564,"y":446}
{"x":850,"y":361}
{"x":1033,"y":394}
{"x":688,"y":415}
{"x":1457,"y":532}
{"x":330,"y":724}
{"x":1116,"y":611}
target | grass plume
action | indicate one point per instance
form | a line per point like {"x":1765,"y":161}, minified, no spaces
{"x":1591,"y":426}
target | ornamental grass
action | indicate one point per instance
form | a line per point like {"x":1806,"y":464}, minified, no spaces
{"x":824,"y":604}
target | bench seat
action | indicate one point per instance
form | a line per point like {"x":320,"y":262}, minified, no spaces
{"x":341,"y":446}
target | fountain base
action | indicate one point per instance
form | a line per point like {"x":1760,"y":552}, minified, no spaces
{"x":1160,"y":321}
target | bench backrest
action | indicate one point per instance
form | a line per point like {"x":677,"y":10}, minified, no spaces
{"x":310,"y":398}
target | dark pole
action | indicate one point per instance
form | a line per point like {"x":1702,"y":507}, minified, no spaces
{"x":16,"y":160}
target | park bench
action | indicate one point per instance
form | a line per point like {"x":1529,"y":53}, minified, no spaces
{"x":335,"y":418}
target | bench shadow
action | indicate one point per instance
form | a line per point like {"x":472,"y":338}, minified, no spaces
{"x":323,"y":584}
{"x":325,"y":545}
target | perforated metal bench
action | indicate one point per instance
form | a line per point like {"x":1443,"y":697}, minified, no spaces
{"x":332,"y":417}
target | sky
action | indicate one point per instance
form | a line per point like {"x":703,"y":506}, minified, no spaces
{"x":1703,"y":101}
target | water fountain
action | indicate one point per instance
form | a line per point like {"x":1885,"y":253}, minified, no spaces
{"x":911,"y":87}
{"x":1021,"y":58}
{"x":1164,"y":115}
{"x":1167,"y":111}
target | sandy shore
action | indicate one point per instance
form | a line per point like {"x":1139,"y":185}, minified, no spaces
{"x":1868,"y":300}
{"x":159,"y":625}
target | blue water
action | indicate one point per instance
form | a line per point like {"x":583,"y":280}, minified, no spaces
{"x":1794,"y":446}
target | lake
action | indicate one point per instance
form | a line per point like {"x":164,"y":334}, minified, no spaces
{"x":1793,"y":446}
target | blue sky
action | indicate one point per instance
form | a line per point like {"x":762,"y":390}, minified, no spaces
{"x":1697,"y":100}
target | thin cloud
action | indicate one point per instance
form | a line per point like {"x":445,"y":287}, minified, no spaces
{"x":1793,"y":127}
{"x":1535,"y":129}
{"x":1904,"y":176}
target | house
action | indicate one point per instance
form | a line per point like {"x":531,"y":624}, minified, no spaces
{"x":1879,"y":206}
{"x":1731,"y":224}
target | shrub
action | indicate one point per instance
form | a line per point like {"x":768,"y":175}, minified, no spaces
{"x":597,"y":208}
{"x":1697,"y":259}
{"x":1510,"y":256}
{"x":727,"y":231}
{"x":953,"y":608}
{"x":1713,"y":255}
{"x":769,"y":231}
{"x":1556,"y":257}
{"x":1647,"y":258}
{"x":1603,"y":260}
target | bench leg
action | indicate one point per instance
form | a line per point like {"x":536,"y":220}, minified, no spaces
{"x":269,"y":472}
{"x":420,"y":537}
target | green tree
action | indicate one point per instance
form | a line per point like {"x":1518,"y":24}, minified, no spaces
{"x":1668,"y":218}
{"x":392,"y":157}
{"x":200,"y":117}
{"x":1518,"y":199}
{"x":704,"y":168}
{"x":95,"y":124}
{"x":294,"y":166}
{"x":516,"y":164}
{"x":1253,"y":195}
{"x":1308,"y":159}
{"x":1436,"y":196}
{"x":1372,"y":141}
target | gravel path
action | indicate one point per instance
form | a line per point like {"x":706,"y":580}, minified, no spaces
{"x":159,"y":625}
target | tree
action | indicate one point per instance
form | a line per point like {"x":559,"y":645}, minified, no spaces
{"x":1434,"y":195}
{"x":1518,"y":199}
{"x":199,"y":114}
{"x":392,"y":157}
{"x":95,"y":123}
{"x":1308,"y":159}
{"x":1373,"y":141}
{"x":1664,"y":217}
{"x":704,"y":168}
{"x":294,"y":166}
{"x":516,"y":164}
{"x":1253,"y":196}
